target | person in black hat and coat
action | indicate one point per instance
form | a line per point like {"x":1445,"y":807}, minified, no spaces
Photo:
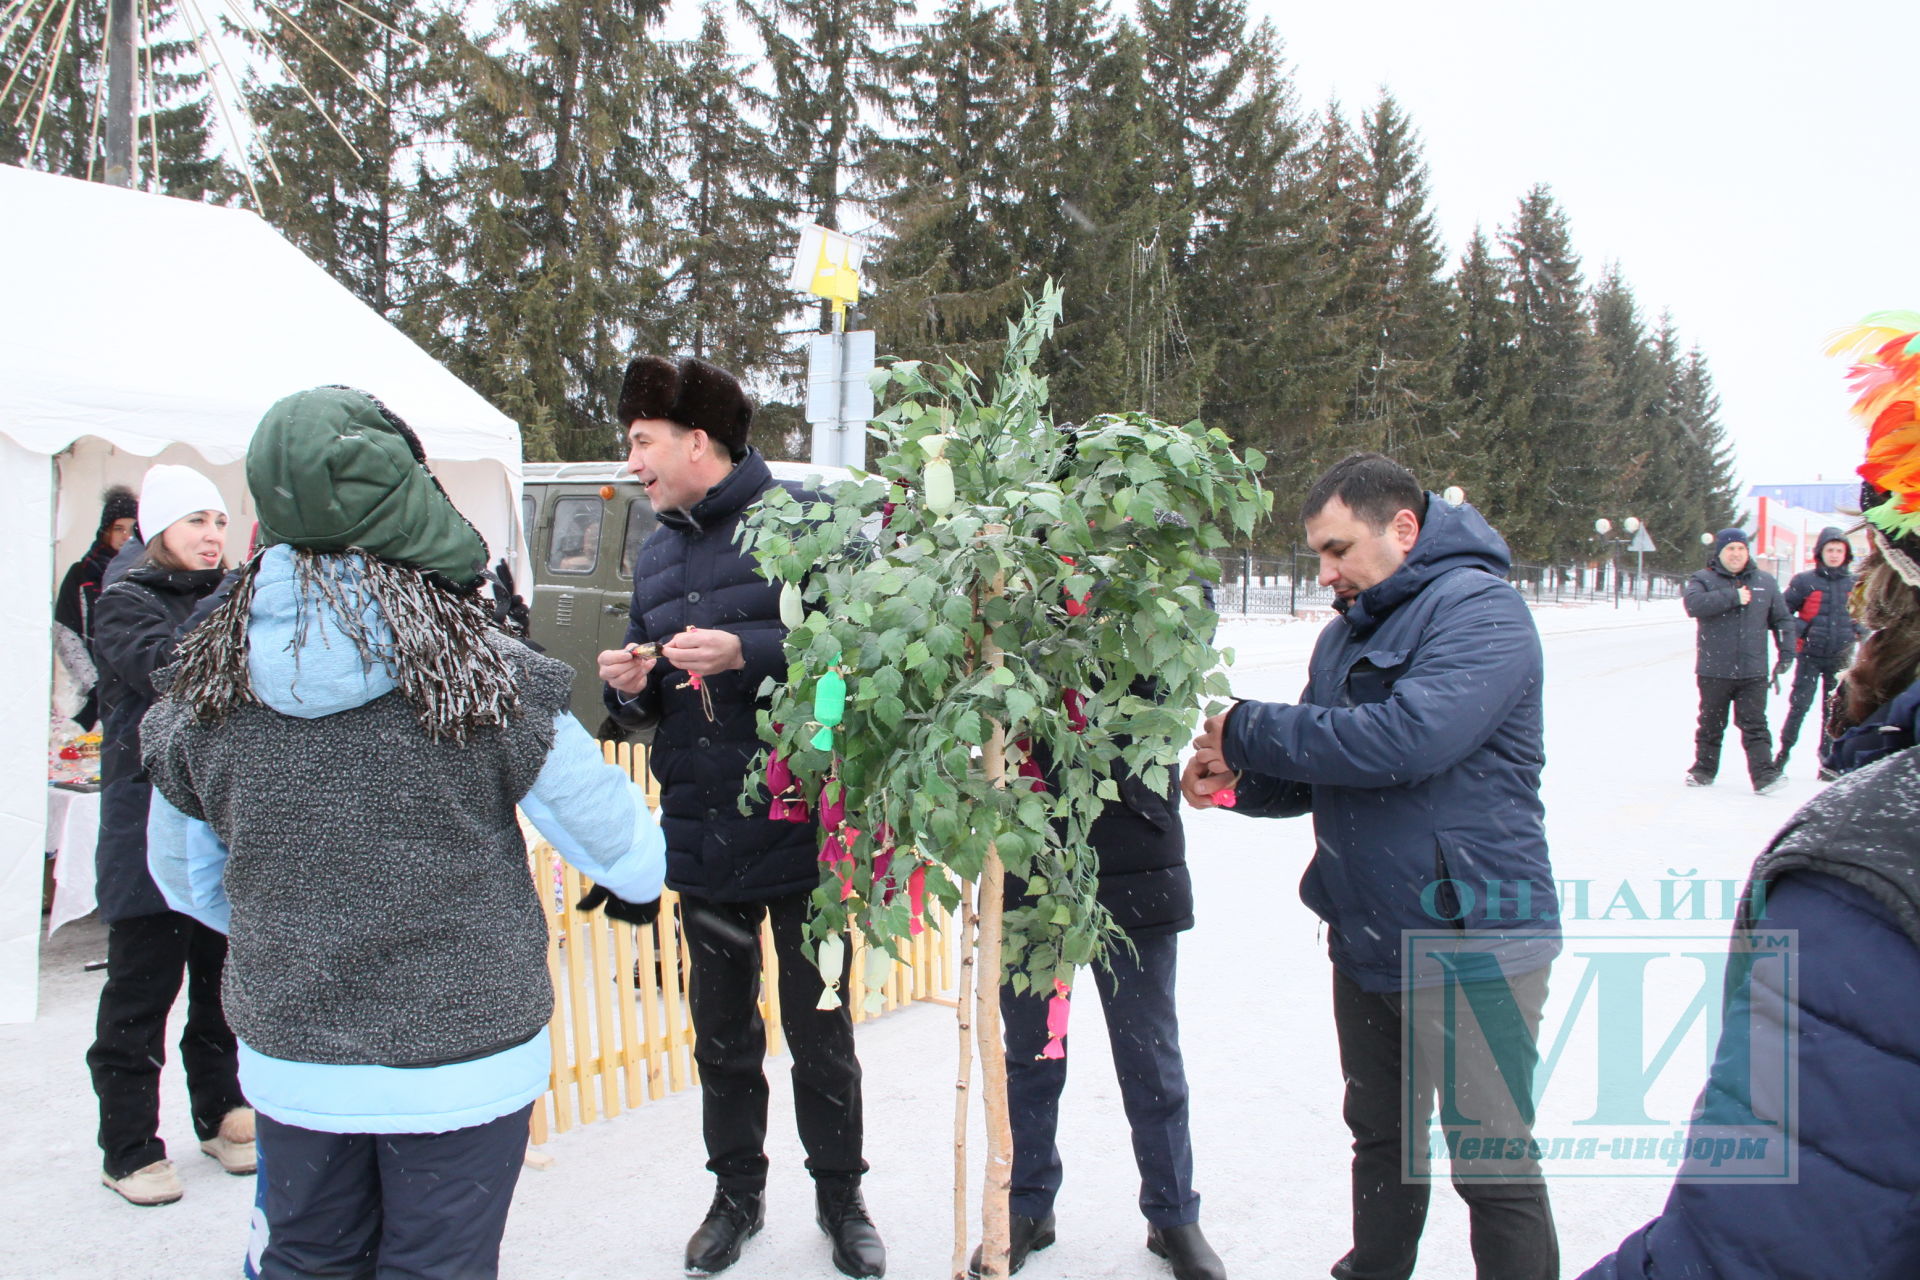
{"x":1818,"y":600}
{"x":716,"y":622}
{"x":73,"y":605}
{"x":1737,"y":605}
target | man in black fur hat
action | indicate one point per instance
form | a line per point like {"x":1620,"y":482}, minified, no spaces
{"x":716,"y":624}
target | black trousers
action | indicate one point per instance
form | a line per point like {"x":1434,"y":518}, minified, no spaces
{"x":1812,"y":678}
{"x":148,"y":957}
{"x":1389,"y":1106}
{"x":386,"y":1206}
{"x":730,"y":1042}
{"x":1748,"y":701}
{"x":1137,"y":999}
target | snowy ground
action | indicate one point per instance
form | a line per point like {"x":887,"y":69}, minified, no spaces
{"x":622,"y":1196}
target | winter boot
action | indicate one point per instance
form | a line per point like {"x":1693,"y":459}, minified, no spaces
{"x":156,"y":1183}
{"x":233,"y":1145}
{"x":1828,"y":775}
{"x":1770,"y":782}
{"x":1695,"y":778}
{"x":1187,"y":1252}
{"x":736,"y":1215}
{"x":842,"y":1214}
{"x":1024,"y":1236}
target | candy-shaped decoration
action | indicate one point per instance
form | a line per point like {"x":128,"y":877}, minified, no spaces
{"x":1076,"y":705}
{"x":938,"y":478}
{"x":1059,"y":1006}
{"x":829,"y":706}
{"x":779,"y":774}
{"x":787,"y":810}
{"x":879,"y":966}
{"x":917,"y":900}
{"x":1225,"y":798}
{"x":833,"y":804}
{"x":791,"y":613}
{"x":1030,"y":769}
{"x":830,"y":957}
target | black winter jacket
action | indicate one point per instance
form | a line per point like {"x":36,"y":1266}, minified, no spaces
{"x":1732,"y":644}
{"x":1817,"y":599}
{"x":691,"y":573}
{"x":136,"y":624}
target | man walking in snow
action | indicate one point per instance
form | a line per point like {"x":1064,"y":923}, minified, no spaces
{"x":1736,"y":604}
{"x":1417,"y":748}
{"x":1817,"y":599}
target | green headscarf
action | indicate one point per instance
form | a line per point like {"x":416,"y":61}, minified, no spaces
{"x":332,"y":468}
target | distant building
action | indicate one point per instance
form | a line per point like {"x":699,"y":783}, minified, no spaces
{"x":1786,"y":520}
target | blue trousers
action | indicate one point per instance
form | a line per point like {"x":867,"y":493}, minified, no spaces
{"x":1137,"y":999}
{"x":386,"y":1206}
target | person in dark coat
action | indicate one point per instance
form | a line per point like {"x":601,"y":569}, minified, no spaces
{"x":80,"y":589}
{"x":1737,"y":605}
{"x":1145,"y":885}
{"x":1817,"y":598}
{"x":1417,"y":747}
{"x":152,"y":949}
{"x":716,"y":624}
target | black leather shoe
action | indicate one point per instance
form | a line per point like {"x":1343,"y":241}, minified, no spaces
{"x":1024,"y":1236}
{"x":1187,"y":1251}
{"x":735,"y":1217}
{"x":857,"y":1250}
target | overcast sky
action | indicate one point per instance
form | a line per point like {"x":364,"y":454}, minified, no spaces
{"x":1750,"y":166}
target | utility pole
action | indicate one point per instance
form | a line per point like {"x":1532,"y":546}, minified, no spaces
{"x":121,"y":42}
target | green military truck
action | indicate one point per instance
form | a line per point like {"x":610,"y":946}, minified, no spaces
{"x":585,"y":522}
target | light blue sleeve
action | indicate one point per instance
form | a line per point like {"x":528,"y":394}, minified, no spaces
{"x":188,"y":861}
{"x":596,"y":817}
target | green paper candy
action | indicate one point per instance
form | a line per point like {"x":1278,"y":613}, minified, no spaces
{"x":830,"y":698}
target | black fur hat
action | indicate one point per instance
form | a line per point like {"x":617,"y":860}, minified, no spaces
{"x":693,"y":393}
{"x":117,"y":503}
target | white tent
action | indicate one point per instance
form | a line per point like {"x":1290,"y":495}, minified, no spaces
{"x":137,"y":329}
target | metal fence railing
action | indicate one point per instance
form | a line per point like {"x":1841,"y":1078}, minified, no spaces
{"x":1290,"y":584}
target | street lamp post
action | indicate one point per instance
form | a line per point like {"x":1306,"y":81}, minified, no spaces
{"x":1603,"y":527}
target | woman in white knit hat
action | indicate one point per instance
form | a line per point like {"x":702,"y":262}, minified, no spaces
{"x":152,"y":950}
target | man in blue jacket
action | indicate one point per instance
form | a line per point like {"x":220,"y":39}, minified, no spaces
{"x":1417,"y":748}
{"x":703,"y":634}
{"x":1817,"y":598}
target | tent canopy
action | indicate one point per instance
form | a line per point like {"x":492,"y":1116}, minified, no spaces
{"x":136,"y":329}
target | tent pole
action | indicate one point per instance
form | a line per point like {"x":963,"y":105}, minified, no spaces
{"x":121,"y":40}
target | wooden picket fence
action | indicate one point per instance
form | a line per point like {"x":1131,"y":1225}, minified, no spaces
{"x":622,"y":1033}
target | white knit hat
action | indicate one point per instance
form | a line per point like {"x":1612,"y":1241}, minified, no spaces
{"x":170,"y":493}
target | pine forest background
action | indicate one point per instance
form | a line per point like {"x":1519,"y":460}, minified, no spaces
{"x":535,"y":191}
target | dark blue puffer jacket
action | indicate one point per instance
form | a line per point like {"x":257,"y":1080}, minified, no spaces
{"x":1843,"y":873}
{"x":1894,"y":727}
{"x":692,"y":573}
{"x":1829,"y":632}
{"x":1417,"y":747}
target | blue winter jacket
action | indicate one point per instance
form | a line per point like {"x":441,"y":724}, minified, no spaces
{"x":1894,"y":727}
{"x":1853,"y":1210}
{"x":1417,"y":748}
{"x":591,"y":811}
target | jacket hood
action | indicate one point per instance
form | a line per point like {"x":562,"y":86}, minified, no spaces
{"x":749,"y":478}
{"x":1450,"y":538}
{"x":1832,"y":534}
{"x":299,"y":659}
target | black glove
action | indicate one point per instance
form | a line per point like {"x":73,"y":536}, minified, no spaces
{"x":510,"y":611}
{"x":618,"y":908}
{"x":1783,"y":666}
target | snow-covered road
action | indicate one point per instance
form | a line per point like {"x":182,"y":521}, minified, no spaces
{"x":1271,"y":1151}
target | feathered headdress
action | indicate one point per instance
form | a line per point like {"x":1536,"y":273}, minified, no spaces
{"x":1885,"y":378}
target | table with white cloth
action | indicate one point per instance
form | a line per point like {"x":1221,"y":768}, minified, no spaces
{"x":73,"y":829}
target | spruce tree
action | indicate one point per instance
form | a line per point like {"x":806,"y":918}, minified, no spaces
{"x":63,"y":69}
{"x":344,"y":134}
{"x":1562,"y":466}
{"x":728,"y":215}
{"x":949,"y":187}
{"x":552,"y":256}
{"x":1488,"y":402}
